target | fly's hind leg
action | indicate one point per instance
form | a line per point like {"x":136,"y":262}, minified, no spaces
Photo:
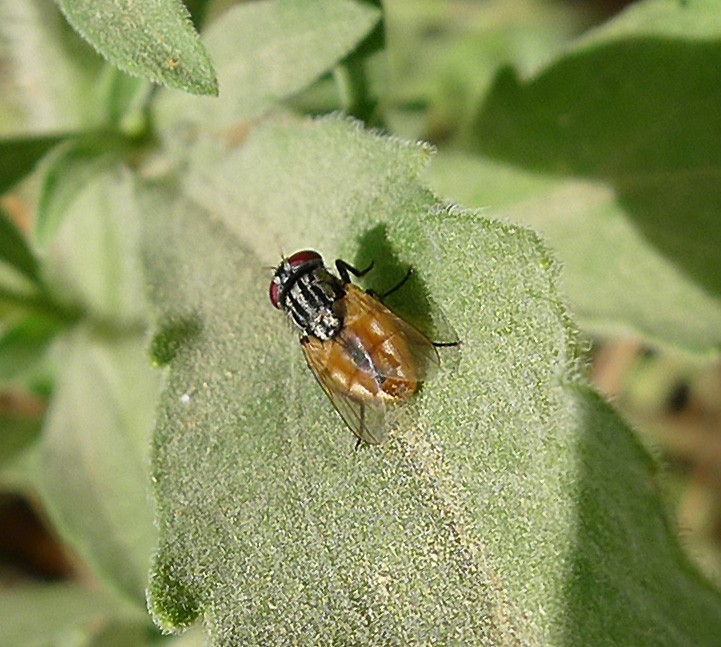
{"x":346,"y":269}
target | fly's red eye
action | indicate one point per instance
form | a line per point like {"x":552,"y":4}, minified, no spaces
{"x":274,"y":293}
{"x":299,"y":258}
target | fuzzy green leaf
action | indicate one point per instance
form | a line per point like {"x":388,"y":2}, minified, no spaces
{"x":266,"y":51}
{"x":511,"y":506}
{"x":150,"y":38}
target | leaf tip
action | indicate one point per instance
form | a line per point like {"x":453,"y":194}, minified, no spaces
{"x":174,"y":604}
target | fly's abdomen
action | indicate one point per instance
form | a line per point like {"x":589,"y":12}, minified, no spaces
{"x":380,"y":354}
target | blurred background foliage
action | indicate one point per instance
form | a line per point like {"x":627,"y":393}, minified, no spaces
{"x":429,"y":71}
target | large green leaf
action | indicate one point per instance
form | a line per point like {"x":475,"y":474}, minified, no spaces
{"x":266,"y":51}
{"x":510,"y":506}
{"x":150,"y":38}
{"x":615,"y":280}
{"x":633,"y":104}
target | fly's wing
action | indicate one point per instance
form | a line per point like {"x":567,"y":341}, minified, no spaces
{"x":415,"y":348}
{"x":365,"y":419}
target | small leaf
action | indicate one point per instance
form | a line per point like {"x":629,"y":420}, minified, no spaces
{"x":266,"y":51}
{"x":19,"y":156}
{"x":154,"y":39}
{"x":15,"y":251}
{"x":511,"y":496}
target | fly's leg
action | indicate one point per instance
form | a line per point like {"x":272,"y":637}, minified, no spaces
{"x":346,"y":269}
{"x":359,"y":442}
{"x":400,"y":284}
{"x":397,"y":286}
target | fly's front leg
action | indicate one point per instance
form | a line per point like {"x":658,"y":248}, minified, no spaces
{"x":346,"y":269}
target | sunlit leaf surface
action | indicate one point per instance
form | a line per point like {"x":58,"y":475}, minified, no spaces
{"x":506,"y":508}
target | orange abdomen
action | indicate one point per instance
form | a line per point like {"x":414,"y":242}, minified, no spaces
{"x":370,"y":359}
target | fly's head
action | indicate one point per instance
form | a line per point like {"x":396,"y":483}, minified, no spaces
{"x":309,"y":294}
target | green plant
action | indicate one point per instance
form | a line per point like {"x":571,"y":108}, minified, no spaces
{"x":513,"y":506}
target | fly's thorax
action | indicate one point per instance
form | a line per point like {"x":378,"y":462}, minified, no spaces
{"x":310,"y":295}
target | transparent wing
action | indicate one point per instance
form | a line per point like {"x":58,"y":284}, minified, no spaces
{"x":415,"y":305}
{"x":365,"y":419}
